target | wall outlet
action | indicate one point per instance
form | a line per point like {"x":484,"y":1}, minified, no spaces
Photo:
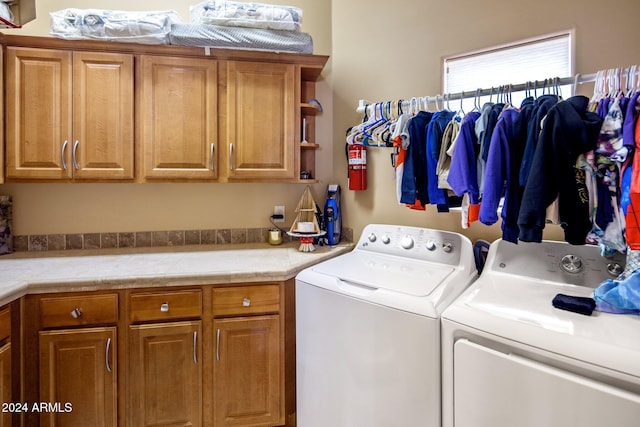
{"x":278,"y":210}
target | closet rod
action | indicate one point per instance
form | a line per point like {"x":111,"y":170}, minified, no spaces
{"x":577,"y":79}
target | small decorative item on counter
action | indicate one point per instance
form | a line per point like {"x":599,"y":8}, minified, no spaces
{"x":6,"y":237}
{"x":305,"y":226}
{"x":275,"y":236}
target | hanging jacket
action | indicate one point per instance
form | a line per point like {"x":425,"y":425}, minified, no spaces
{"x":569,"y":130}
{"x":462,"y":177}
{"x":481,"y":129}
{"x":414,"y":178}
{"x":540,"y":108}
{"x":499,"y":174}
{"x":435,"y":131}
{"x":462,"y":174}
{"x":485,"y":142}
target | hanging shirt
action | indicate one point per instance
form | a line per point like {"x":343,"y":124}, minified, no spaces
{"x":414,"y":178}
{"x":401,"y":141}
{"x":446,"y":152}
{"x":435,"y":131}
{"x":569,"y":130}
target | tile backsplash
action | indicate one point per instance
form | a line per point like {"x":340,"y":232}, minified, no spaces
{"x":143,"y":239}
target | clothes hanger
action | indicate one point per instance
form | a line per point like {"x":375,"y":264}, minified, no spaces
{"x":476,"y":100}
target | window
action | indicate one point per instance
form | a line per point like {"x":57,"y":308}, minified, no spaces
{"x":529,"y":60}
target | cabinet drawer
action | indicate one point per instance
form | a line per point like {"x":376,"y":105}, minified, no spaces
{"x":78,"y":310}
{"x":244,"y":300}
{"x":5,"y":324}
{"x":146,"y":306}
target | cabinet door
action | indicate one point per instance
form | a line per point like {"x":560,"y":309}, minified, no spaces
{"x":102,"y":116}
{"x":179,"y":118}
{"x":78,"y":368}
{"x":5,"y":383}
{"x":247,"y":372}
{"x":261,"y":116}
{"x":38,"y":112}
{"x":165,"y":381}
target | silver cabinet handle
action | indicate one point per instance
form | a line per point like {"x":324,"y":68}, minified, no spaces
{"x":107,"y":354}
{"x":231,"y":156}
{"x":195,"y":347}
{"x":73,"y":155}
{"x":246,"y":302}
{"x":218,"y":345}
{"x":211,"y":162}
{"x":76,"y":313}
{"x":64,"y":148}
{"x":164,"y":307}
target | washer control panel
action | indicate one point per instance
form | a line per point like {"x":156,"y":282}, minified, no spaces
{"x":557,"y":261}
{"x":413,"y":242}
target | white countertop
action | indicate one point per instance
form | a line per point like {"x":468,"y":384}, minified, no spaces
{"x":89,"y":270}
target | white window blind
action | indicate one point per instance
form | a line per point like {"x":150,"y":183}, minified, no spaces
{"x":531,"y":60}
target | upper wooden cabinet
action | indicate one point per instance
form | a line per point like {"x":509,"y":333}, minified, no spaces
{"x":200,"y":114}
{"x":178,"y":118}
{"x":261,"y":120}
{"x":69,"y":114}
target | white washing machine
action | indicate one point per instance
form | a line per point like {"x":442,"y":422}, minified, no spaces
{"x":511,"y":359}
{"x":368,"y":328}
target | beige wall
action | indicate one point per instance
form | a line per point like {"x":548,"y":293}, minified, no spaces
{"x":379,"y":51}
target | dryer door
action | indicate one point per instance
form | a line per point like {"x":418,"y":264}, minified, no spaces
{"x":494,"y":389}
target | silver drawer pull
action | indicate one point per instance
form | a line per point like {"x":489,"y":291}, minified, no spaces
{"x":106,"y":355}
{"x":246,"y":302}
{"x":62,"y":151}
{"x":164,"y":307}
{"x":73,"y":155}
{"x":211,"y":164}
{"x":76,"y":313}
{"x":195,"y":347}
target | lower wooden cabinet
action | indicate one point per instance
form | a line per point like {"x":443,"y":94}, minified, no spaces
{"x":5,"y":366}
{"x":5,"y":383}
{"x":202,"y":356}
{"x":246,"y":373}
{"x":78,"y":374}
{"x":165,"y":374}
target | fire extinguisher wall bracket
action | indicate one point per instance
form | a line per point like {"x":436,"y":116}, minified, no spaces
{"x":357,"y":167}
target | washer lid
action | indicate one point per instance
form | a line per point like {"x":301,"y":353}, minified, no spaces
{"x":407,"y":276}
{"x":520,"y":309}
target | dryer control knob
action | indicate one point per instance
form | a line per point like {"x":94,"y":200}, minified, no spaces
{"x":571,"y":263}
{"x":430,"y":245}
{"x":447,"y":247}
{"x":386,"y":239}
{"x":372,"y":237}
{"x":407,"y":242}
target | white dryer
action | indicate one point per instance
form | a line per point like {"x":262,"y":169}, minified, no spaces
{"x":368,"y":328}
{"x":511,"y":359}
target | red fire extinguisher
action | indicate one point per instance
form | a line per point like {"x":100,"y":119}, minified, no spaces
{"x":357,"y":163}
